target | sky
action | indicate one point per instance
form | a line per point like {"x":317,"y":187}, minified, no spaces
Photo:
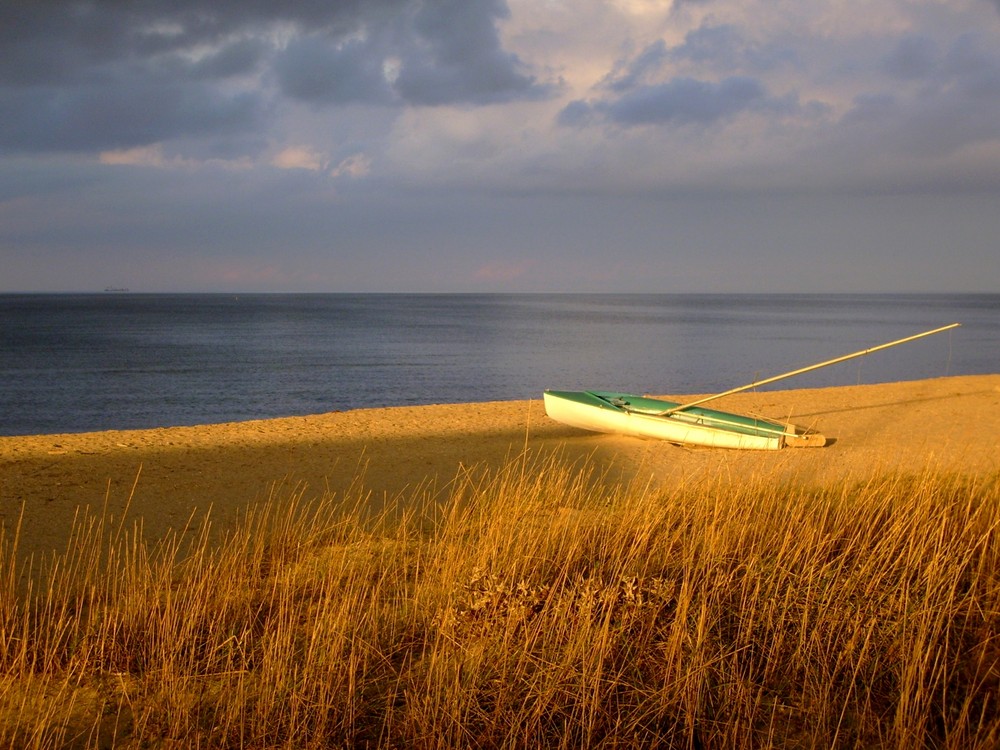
{"x":500,"y":145}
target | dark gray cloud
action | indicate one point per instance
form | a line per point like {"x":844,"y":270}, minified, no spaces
{"x":725,"y":47}
{"x":113,"y":75}
{"x":433,"y":53}
{"x":576,"y":114}
{"x":686,"y":100}
{"x":974,"y":64}
{"x":710,"y":47}
{"x":127,"y":114}
{"x":955,"y":102}
{"x":86,"y":33}
{"x":458,"y":57}
{"x":709,"y":44}
{"x":317,"y":70}
{"x":912,"y":58}
{"x":238,"y":58}
{"x":109,"y":74}
{"x":635,"y":93}
{"x":680,"y":101}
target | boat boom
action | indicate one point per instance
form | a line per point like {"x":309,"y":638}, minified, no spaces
{"x":810,"y":368}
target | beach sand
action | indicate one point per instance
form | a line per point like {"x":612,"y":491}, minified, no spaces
{"x":167,"y":477}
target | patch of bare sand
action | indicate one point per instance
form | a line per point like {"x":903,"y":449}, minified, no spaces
{"x":948,"y":424}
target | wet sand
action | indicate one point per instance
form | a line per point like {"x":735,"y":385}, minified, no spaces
{"x":164,"y":477}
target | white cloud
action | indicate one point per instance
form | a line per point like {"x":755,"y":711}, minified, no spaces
{"x":155,"y":156}
{"x":143,"y":156}
{"x":299,"y":157}
{"x":776,"y":90}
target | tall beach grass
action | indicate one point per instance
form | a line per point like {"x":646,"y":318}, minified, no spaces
{"x":534,"y":607}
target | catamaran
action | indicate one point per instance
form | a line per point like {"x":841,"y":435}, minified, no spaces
{"x":689,"y":423}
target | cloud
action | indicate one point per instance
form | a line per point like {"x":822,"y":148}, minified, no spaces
{"x":98,"y":76}
{"x":460,"y":58}
{"x":322,"y":71}
{"x":126,"y":114}
{"x":725,"y":47}
{"x":626,"y":75}
{"x":914,"y":57}
{"x":436,"y":53}
{"x":652,"y":86}
{"x":681,"y":101}
{"x":747,"y":96}
{"x":940,"y":103}
{"x":686,"y":100}
{"x":299,"y":157}
{"x":101,"y":76}
{"x":240,"y":57}
{"x":576,"y":114}
{"x":156,"y":157}
{"x":710,"y":47}
{"x":354,"y":166}
{"x":359,"y":132}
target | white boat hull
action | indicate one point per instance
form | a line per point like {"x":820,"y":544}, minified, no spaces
{"x":687,"y":429}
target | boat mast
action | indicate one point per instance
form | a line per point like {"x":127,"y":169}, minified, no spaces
{"x":810,"y":368}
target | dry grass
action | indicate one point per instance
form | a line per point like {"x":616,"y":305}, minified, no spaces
{"x":533,"y":608}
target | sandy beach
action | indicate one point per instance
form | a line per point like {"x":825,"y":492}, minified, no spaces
{"x":165,"y":477}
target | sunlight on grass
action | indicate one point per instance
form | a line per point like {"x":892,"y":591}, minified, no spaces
{"x":534,"y":607}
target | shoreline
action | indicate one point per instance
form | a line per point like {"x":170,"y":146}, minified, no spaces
{"x":951,"y":424}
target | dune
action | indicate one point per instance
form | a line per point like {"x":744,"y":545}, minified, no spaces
{"x":166,"y":477}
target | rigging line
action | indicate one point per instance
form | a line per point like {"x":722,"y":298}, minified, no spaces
{"x":951,"y":338}
{"x":810,"y":368}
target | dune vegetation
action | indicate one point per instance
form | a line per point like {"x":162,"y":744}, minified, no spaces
{"x":537,"y":605}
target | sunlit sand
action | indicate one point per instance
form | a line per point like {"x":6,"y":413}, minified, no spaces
{"x":165,"y":475}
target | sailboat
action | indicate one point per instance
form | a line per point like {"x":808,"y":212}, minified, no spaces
{"x":690,"y":423}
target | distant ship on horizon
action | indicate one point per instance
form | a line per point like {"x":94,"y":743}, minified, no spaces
{"x":115,"y":289}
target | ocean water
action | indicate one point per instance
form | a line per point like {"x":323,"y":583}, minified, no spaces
{"x":72,"y":363}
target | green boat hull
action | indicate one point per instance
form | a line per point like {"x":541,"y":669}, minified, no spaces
{"x":641,"y":416}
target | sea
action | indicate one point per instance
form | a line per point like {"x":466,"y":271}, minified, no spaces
{"x":113,"y":361}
